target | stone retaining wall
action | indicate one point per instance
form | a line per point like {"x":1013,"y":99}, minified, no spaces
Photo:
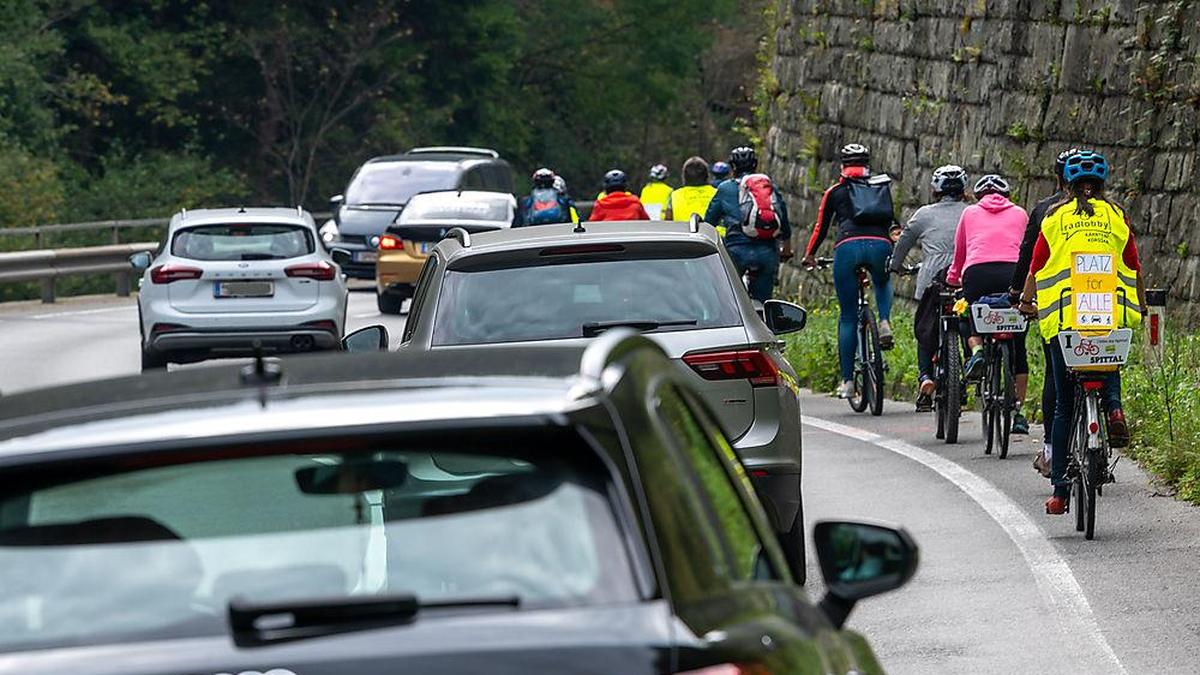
{"x":997,"y":85}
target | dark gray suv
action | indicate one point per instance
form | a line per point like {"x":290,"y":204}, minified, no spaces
{"x":382,"y":186}
{"x":674,"y":282}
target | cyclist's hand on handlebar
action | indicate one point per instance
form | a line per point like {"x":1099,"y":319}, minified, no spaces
{"x":1028,"y":310}
{"x":809,"y":261}
{"x":786,"y":253}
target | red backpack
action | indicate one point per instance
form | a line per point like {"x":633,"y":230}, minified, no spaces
{"x":756,"y":197}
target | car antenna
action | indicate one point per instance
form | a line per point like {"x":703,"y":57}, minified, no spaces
{"x":241,"y":209}
{"x":261,"y":373}
{"x":579,"y":228}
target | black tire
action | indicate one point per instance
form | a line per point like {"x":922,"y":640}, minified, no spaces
{"x":1078,"y":487}
{"x":1080,"y":506}
{"x":389,"y":303}
{"x":1008,"y":398}
{"x":153,"y":361}
{"x":986,"y":407}
{"x":860,"y":397}
{"x":939,"y":405}
{"x":874,"y":365}
{"x":1089,"y":496}
{"x":954,"y":384}
{"x":792,"y":542}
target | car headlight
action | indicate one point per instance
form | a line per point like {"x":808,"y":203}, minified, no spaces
{"x":329,"y":232}
{"x":375,"y":241}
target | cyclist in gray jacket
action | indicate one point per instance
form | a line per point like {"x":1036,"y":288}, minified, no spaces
{"x":933,"y":227}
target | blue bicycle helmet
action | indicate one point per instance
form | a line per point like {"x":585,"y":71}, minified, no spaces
{"x":1085,"y":164}
{"x":721,"y":170}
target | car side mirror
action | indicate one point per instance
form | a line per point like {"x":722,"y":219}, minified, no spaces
{"x":784,"y":317}
{"x":140,"y":261}
{"x":340,"y":256}
{"x":336,"y":201}
{"x":369,"y":339}
{"x":859,"y":560}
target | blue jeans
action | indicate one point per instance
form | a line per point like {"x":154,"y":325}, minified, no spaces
{"x":848,"y":257}
{"x":1064,"y":410}
{"x":763,"y":258}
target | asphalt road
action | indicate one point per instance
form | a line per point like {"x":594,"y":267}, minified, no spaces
{"x":1002,"y":588}
{"x":96,"y":337}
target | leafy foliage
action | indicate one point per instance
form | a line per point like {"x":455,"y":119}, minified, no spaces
{"x":151,"y":105}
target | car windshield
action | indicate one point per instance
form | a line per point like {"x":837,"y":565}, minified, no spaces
{"x":243,"y":241}
{"x":425,"y":208}
{"x":547,"y":302}
{"x":392,"y":183}
{"x":158,"y":552}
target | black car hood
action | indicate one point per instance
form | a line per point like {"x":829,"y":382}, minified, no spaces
{"x":368,"y":222}
{"x":627,"y":639}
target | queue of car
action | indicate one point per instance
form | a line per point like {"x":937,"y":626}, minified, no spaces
{"x":561,"y":468}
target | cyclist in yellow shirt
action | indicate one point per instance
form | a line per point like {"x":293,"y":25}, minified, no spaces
{"x":654,"y":196}
{"x":694,"y":196}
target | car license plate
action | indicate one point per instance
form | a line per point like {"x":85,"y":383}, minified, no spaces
{"x":366,"y":256}
{"x":243,"y":289}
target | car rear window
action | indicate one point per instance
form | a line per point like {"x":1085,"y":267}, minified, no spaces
{"x":556,"y":301}
{"x":392,"y":183}
{"x":159,"y":551}
{"x":438,"y":207}
{"x":243,"y":241}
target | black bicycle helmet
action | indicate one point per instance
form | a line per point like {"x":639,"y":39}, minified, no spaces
{"x":949,"y":179}
{"x":1060,"y":162}
{"x":855,"y":154}
{"x":743,"y":159}
{"x":615,"y":180}
{"x":991,"y":184}
{"x":543,"y":178}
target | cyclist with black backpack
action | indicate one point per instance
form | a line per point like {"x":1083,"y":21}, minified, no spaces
{"x":545,"y":205}
{"x":757,"y":233}
{"x":860,"y":206}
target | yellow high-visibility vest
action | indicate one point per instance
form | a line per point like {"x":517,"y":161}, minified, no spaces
{"x":691,"y":199}
{"x":1086,"y":285}
{"x":654,"y":197}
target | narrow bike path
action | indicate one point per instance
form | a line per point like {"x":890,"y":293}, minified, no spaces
{"x":1137,"y":581}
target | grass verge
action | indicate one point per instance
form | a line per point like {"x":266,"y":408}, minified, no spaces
{"x":1161,"y":394}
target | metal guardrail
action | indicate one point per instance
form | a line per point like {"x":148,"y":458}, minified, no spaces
{"x":48,"y":265}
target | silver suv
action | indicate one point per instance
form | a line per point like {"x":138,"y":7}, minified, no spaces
{"x":229,"y":281}
{"x":672,"y":281}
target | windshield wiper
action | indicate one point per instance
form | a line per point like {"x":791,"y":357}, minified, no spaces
{"x":256,"y":624}
{"x":261,"y":256}
{"x":357,"y":204}
{"x":594,"y":328}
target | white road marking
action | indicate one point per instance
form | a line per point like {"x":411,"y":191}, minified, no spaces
{"x":1054,"y":577}
{"x":81,"y":312}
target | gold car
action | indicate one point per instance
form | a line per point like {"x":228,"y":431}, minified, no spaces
{"x":424,"y":221}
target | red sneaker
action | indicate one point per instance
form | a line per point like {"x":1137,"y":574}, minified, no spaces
{"x":1118,"y":429}
{"x":1056,"y":506}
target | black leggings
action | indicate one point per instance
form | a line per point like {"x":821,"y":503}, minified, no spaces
{"x":987,"y":279}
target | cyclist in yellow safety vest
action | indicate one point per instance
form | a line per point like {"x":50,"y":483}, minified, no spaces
{"x":1084,"y":276}
{"x":656,"y":193}
{"x":694,"y":196}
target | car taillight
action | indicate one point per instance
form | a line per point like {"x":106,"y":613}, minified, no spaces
{"x":742,"y":364}
{"x":731,"y":669}
{"x":320,"y":270}
{"x":390,"y":242}
{"x":322,"y":325}
{"x":165,"y":274}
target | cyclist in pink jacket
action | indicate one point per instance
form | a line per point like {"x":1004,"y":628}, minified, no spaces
{"x":986,"y":247}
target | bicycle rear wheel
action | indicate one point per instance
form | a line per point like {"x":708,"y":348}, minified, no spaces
{"x":874,"y":364}
{"x":1089,"y":494}
{"x":859,"y":397}
{"x":987,"y":397}
{"x":1007,"y":398}
{"x":1078,"y":487}
{"x":952,"y":361}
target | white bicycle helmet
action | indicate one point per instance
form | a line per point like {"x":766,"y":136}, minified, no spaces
{"x":949,"y":178}
{"x":658,"y":172}
{"x":855,"y":154}
{"x":991,"y":184}
{"x":560,"y":185}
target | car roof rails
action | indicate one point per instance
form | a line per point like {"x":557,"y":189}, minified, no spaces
{"x":694,"y":223}
{"x":459,"y":149}
{"x":461,"y":235}
{"x":183,"y":214}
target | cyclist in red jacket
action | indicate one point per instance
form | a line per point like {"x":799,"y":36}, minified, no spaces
{"x":618,"y":203}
